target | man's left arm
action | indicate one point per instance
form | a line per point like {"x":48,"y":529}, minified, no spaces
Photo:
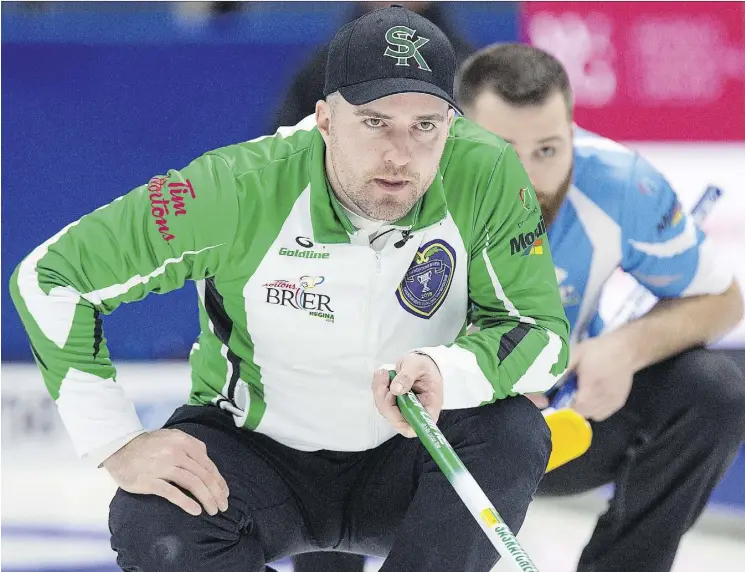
{"x":522,"y":342}
{"x":676,"y":324}
{"x":700,"y":300}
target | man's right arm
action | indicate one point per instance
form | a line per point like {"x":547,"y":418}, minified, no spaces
{"x":177,"y":227}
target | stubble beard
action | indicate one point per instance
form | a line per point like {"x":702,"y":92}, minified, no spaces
{"x":362,"y":193}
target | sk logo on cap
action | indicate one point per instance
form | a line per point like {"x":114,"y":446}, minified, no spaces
{"x":400,"y":37}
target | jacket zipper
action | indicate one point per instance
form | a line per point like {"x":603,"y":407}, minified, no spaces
{"x":371,"y":357}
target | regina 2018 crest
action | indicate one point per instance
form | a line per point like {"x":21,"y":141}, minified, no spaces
{"x":427,"y":282}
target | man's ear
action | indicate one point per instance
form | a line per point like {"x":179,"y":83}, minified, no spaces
{"x":451,"y":117}
{"x":323,"y":118}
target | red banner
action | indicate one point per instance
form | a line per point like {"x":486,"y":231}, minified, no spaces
{"x":651,"y":71}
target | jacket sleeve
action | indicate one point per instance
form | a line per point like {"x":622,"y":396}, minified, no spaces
{"x":663,"y":249}
{"x":175,"y":228}
{"x":522,"y":342}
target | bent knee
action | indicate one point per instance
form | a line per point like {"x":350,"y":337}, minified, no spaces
{"x":148,"y":533}
{"x":519,"y":429}
{"x":717,"y":386}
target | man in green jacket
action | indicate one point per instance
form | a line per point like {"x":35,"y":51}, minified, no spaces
{"x":363,"y":239}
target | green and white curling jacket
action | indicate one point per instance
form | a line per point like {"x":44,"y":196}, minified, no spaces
{"x":297,"y":309}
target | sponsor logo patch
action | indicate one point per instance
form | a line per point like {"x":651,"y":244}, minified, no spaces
{"x":307,"y":244}
{"x":304,"y":253}
{"x":298,"y":296}
{"x":527,"y":198}
{"x":162,"y":206}
{"x":671,"y":218}
{"x":529,"y":243}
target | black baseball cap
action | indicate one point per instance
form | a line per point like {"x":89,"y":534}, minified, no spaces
{"x":388,"y":51}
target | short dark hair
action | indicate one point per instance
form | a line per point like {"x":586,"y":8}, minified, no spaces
{"x":522,"y":75}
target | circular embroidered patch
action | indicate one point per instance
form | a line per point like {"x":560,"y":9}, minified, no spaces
{"x":427,"y":281}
